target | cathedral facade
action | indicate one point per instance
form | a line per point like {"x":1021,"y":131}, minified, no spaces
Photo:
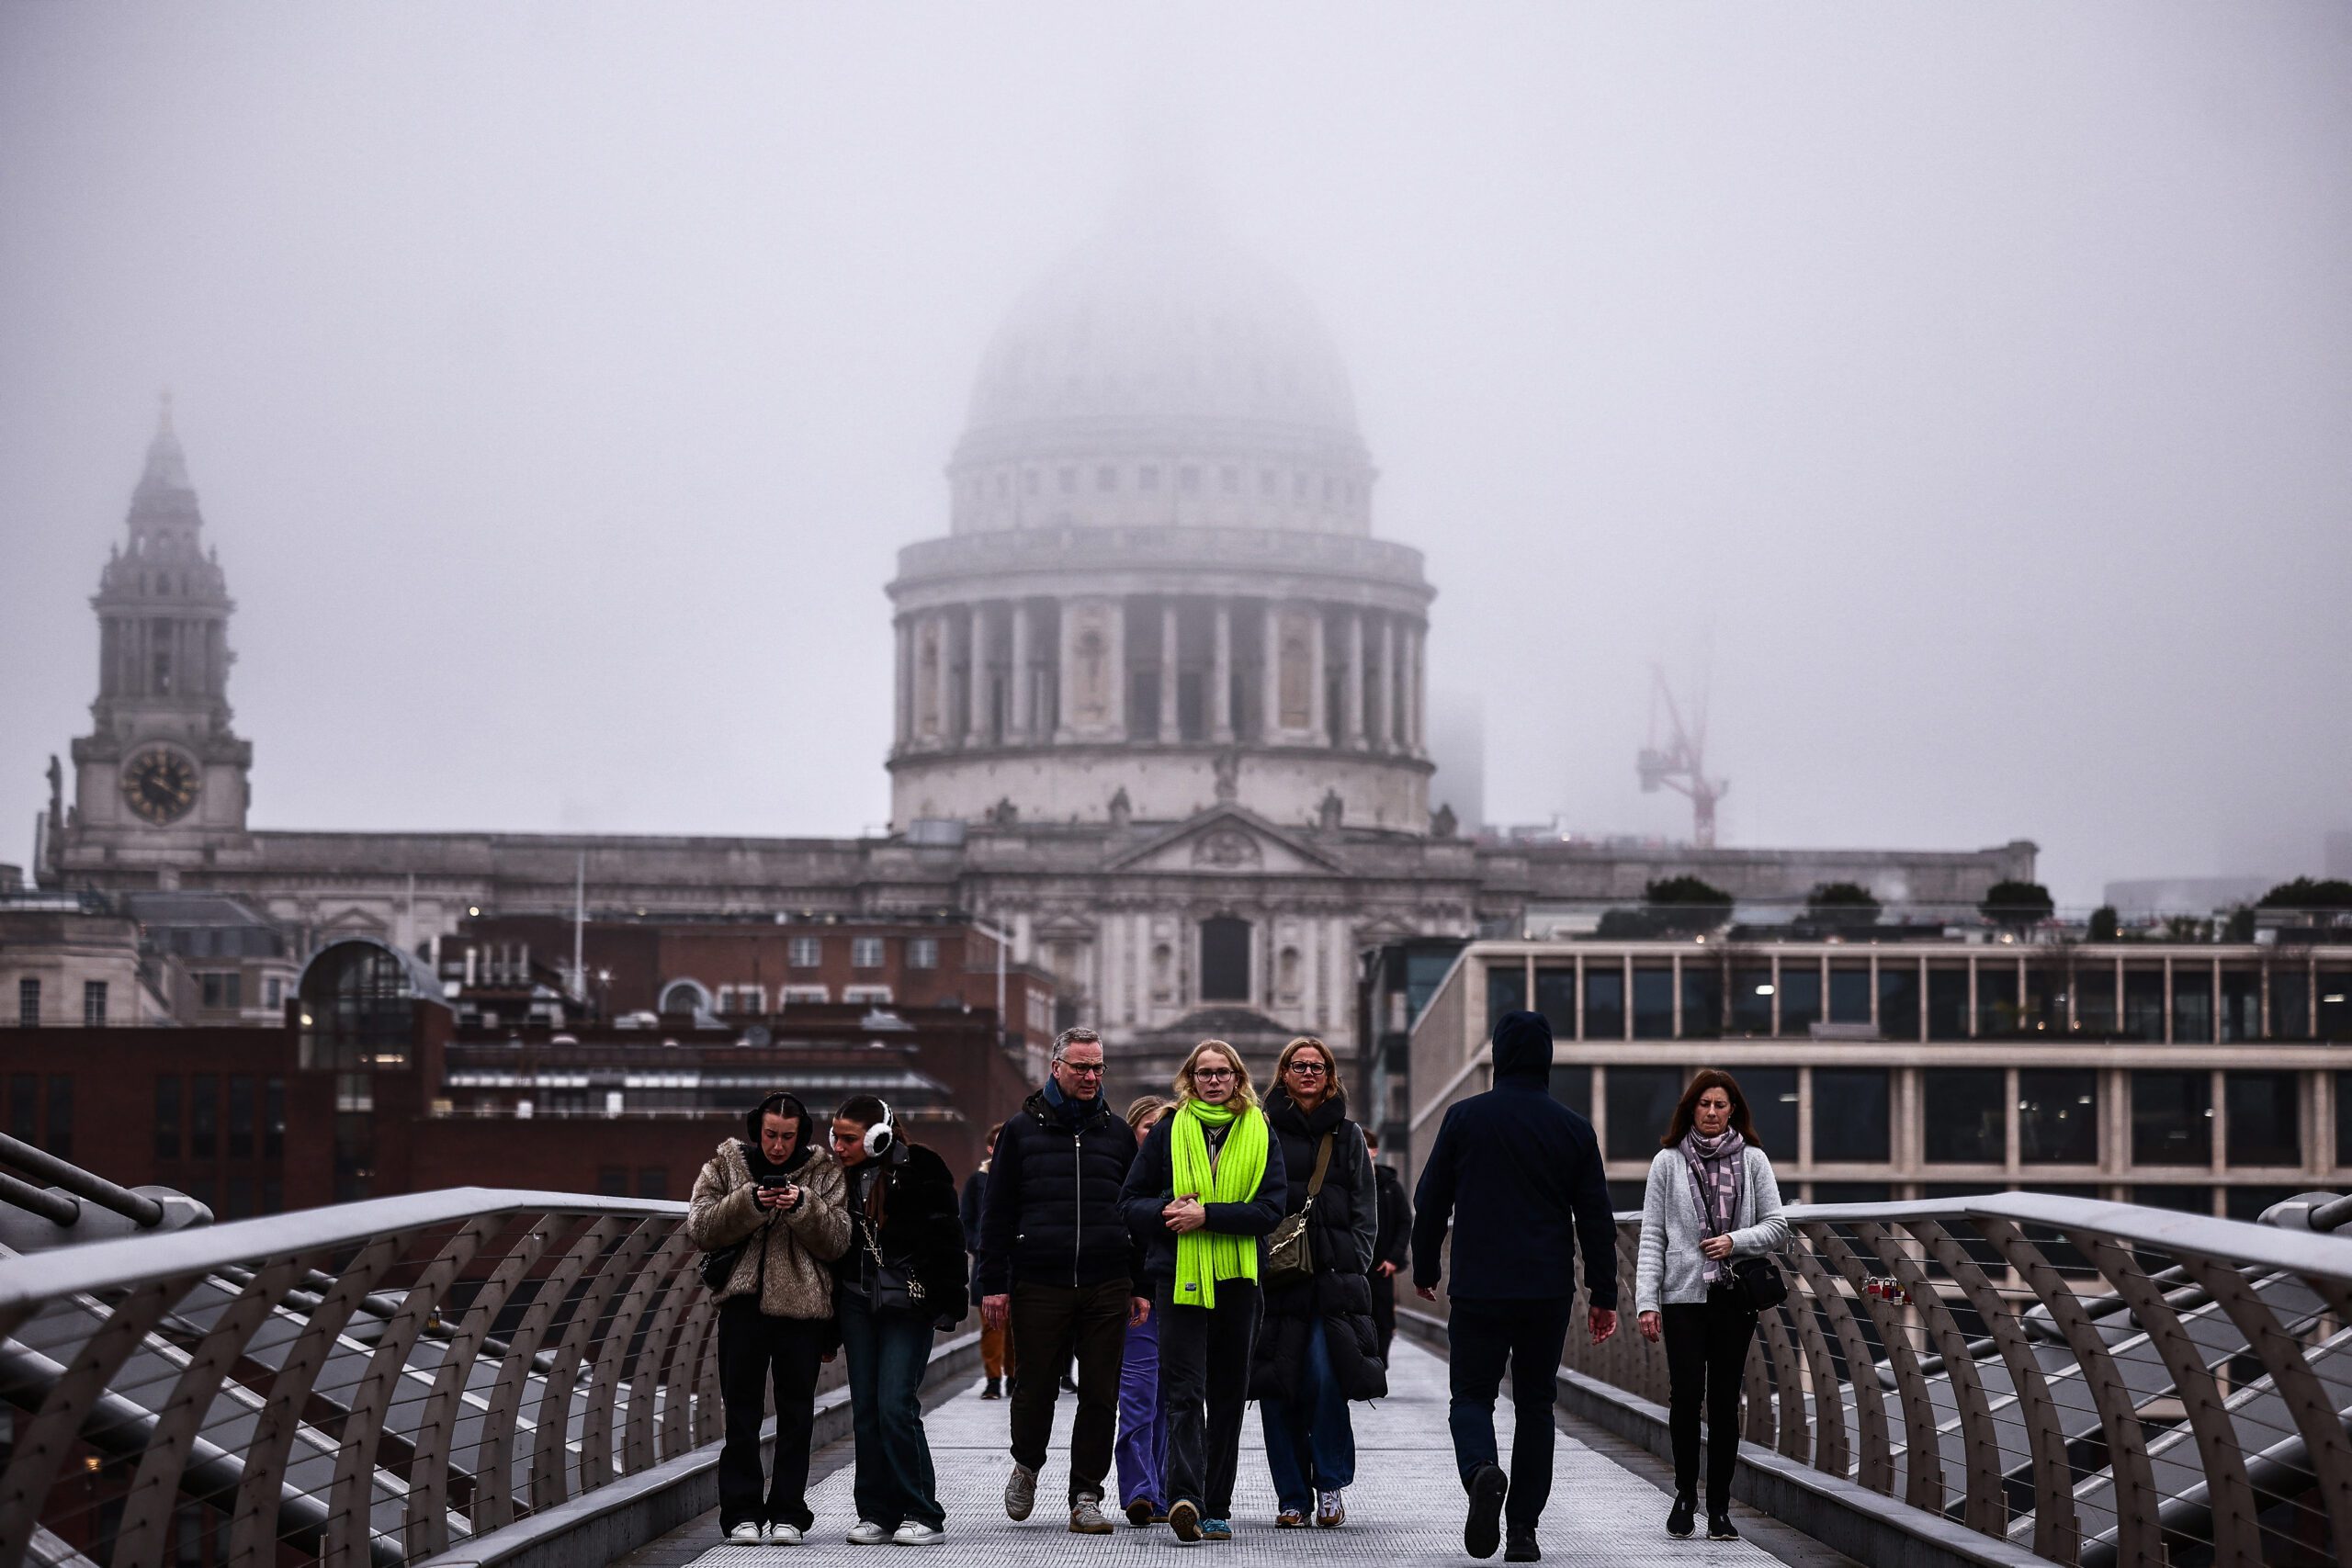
{"x":1158,"y":694}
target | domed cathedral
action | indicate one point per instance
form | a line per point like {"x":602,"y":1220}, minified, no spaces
{"x":1159,"y":588}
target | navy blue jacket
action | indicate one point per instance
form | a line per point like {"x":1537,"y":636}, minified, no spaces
{"x":1152,"y":1182}
{"x":1519,"y":1177}
{"x":1050,"y":1211}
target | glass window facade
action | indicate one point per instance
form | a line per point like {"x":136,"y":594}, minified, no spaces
{"x":2335,"y":1009}
{"x":2192,"y":1004}
{"x":1947,"y":1004}
{"x":1703,"y":1001}
{"x":1898,"y":1000}
{"x":1555,"y":998}
{"x":1997,"y":1008}
{"x":1641,"y":1103}
{"x":2247,"y":1203}
{"x":2058,"y":1115}
{"x":1751,"y":1001}
{"x":1772,"y":1105}
{"x":1604,"y":1003}
{"x":1800,"y":995}
{"x":2187,"y":1199}
{"x":1850,"y":1119}
{"x":2095,"y":999}
{"x":2143,"y":1004}
{"x":1506,"y":992}
{"x":2172,"y":1118}
{"x":2266,"y":1118}
{"x":2290,"y":1003}
{"x":1572,"y":1087}
{"x":1966,"y":1115}
{"x":1849,"y":994}
{"x":1653,"y":1004}
{"x":2241,"y":1016}
{"x":1853,"y":1193}
{"x":204,"y":1115}
{"x":167,"y":1116}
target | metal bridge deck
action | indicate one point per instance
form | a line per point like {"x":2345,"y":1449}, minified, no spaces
{"x":1405,"y":1508}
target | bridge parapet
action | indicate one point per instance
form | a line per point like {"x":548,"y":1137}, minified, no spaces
{"x":2097,"y":1382}
{"x":359,"y":1386}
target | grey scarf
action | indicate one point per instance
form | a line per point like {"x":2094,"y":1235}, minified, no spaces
{"x":1718,"y":1168}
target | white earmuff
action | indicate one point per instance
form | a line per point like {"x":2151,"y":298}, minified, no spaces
{"x":882,"y":1134}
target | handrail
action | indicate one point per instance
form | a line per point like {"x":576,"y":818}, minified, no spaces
{"x":2101,"y":1384}
{"x":135,"y":1206}
{"x":359,"y":1385}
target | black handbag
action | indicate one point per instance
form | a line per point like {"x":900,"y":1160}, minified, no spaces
{"x":1759,"y":1283}
{"x":718,"y":1266}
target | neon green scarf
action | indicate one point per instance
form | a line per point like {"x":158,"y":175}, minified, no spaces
{"x":1204,"y":1257}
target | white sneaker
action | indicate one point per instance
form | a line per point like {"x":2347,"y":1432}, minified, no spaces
{"x":747,"y":1532}
{"x":784,"y":1535}
{"x":914,"y":1534}
{"x":868,"y":1533}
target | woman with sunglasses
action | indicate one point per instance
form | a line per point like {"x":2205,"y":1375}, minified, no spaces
{"x":1206,"y":1187}
{"x":1318,"y":1347}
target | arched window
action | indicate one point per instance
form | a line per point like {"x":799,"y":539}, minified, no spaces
{"x":684,"y":996}
{"x":1225,"y":959}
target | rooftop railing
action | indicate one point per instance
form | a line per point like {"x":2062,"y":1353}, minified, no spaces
{"x":2098,"y":1383}
{"x":364,"y":1384}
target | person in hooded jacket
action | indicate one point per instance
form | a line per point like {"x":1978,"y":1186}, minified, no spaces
{"x":1318,"y":1347}
{"x":1393,"y":1249}
{"x":1519,"y":1176}
{"x":903,"y":1278}
{"x":776,"y":1192}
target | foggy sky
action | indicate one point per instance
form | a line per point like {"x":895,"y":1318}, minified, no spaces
{"x":1973,"y":385}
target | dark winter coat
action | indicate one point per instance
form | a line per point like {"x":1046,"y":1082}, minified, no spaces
{"x":1394,"y":1244}
{"x":1519,"y":1176}
{"x":910,"y":1212}
{"x":1151,"y":1185}
{"x":968,"y":1209}
{"x":1341,"y":1227}
{"x":1051,"y":1213}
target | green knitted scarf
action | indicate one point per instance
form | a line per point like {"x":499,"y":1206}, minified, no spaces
{"x":1204,"y":1256}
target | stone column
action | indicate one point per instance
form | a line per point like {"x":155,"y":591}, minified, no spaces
{"x":1169,"y":729}
{"x":1221,"y":677}
{"x":1022,"y":697}
{"x":1414,"y":741}
{"x":1318,"y":702}
{"x":902,"y":689}
{"x":1270,"y":677}
{"x":976,"y":721}
{"x":1121,"y":677}
{"x":946,"y":677}
{"x":1351,"y":694}
{"x":1065,"y":662}
{"x":1386,"y":729}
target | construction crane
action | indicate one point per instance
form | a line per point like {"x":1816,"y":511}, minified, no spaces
{"x":1680,"y":764}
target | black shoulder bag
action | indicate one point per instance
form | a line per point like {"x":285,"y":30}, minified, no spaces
{"x":1755,"y":1282}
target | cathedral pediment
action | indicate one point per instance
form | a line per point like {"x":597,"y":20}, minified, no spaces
{"x":1228,"y":840}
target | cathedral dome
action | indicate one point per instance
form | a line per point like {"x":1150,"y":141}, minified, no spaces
{"x":1158,"y":357}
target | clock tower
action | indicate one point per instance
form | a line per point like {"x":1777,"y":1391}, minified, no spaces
{"x":160,"y":782}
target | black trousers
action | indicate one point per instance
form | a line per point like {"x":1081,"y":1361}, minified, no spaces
{"x":753,"y":1350}
{"x":1051,"y":1324}
{"x":1481,"y":1334}
{"x":1384,"y":1308}
{"x":1203,"y":1392}
{"x":1706,"y":1349}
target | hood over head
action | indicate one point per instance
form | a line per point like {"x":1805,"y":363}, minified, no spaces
{"x":1523,"y":1046}
{"x":783,"y":1104}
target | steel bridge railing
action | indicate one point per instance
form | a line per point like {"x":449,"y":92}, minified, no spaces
{"x":359,"y":1386}
{"x":2099,"y":1383}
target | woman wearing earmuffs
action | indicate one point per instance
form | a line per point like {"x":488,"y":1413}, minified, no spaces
{"x":903,"y":1278}
{"x":775,"y":1196}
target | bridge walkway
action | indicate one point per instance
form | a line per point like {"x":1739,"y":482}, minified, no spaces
{"x":1405,"y":1508}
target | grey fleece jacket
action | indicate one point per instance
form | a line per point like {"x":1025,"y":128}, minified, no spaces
{"x":1670,"y":1268}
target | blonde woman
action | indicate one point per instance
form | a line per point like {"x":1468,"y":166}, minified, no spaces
{"x":1206,"y":1187}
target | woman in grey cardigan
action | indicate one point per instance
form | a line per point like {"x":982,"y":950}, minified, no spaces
{"x":1712,"y":1198}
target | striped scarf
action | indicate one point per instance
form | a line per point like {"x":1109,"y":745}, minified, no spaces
{"x":1717,"y":1165}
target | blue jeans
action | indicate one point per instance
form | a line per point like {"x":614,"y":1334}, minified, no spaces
{"x":1310,"y":1441}
{"x":886,"y":1354}
{"x":1481,"y":1334}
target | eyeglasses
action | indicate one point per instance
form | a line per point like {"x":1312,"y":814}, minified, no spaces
{"x":1084,"y":1069}
{"x":1212,"y":1074}
{"x":1307,"y":1069}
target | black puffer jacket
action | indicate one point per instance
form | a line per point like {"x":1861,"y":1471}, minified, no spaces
{"x":1051,"y":1211}
{"x":1341,"y":1230}
{"x":913,"y":1219}
{"x":1152,"y":1183}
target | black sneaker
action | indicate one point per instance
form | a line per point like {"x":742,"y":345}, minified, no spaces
{"x":1679,"y":1522}
{"x":1518,"y":1546}
{"x":1482,"y":1532}
{"x":1719,"y":1528}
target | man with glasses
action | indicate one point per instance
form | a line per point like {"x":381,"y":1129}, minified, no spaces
{"x":1058,"y":1264}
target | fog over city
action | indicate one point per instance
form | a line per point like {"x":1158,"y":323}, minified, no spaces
{"x":1962,"y":395}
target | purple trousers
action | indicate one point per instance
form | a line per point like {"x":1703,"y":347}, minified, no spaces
{"x":1143,"y":1435}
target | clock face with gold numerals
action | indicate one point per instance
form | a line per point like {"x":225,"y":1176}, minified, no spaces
{"x":161,"y":785}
